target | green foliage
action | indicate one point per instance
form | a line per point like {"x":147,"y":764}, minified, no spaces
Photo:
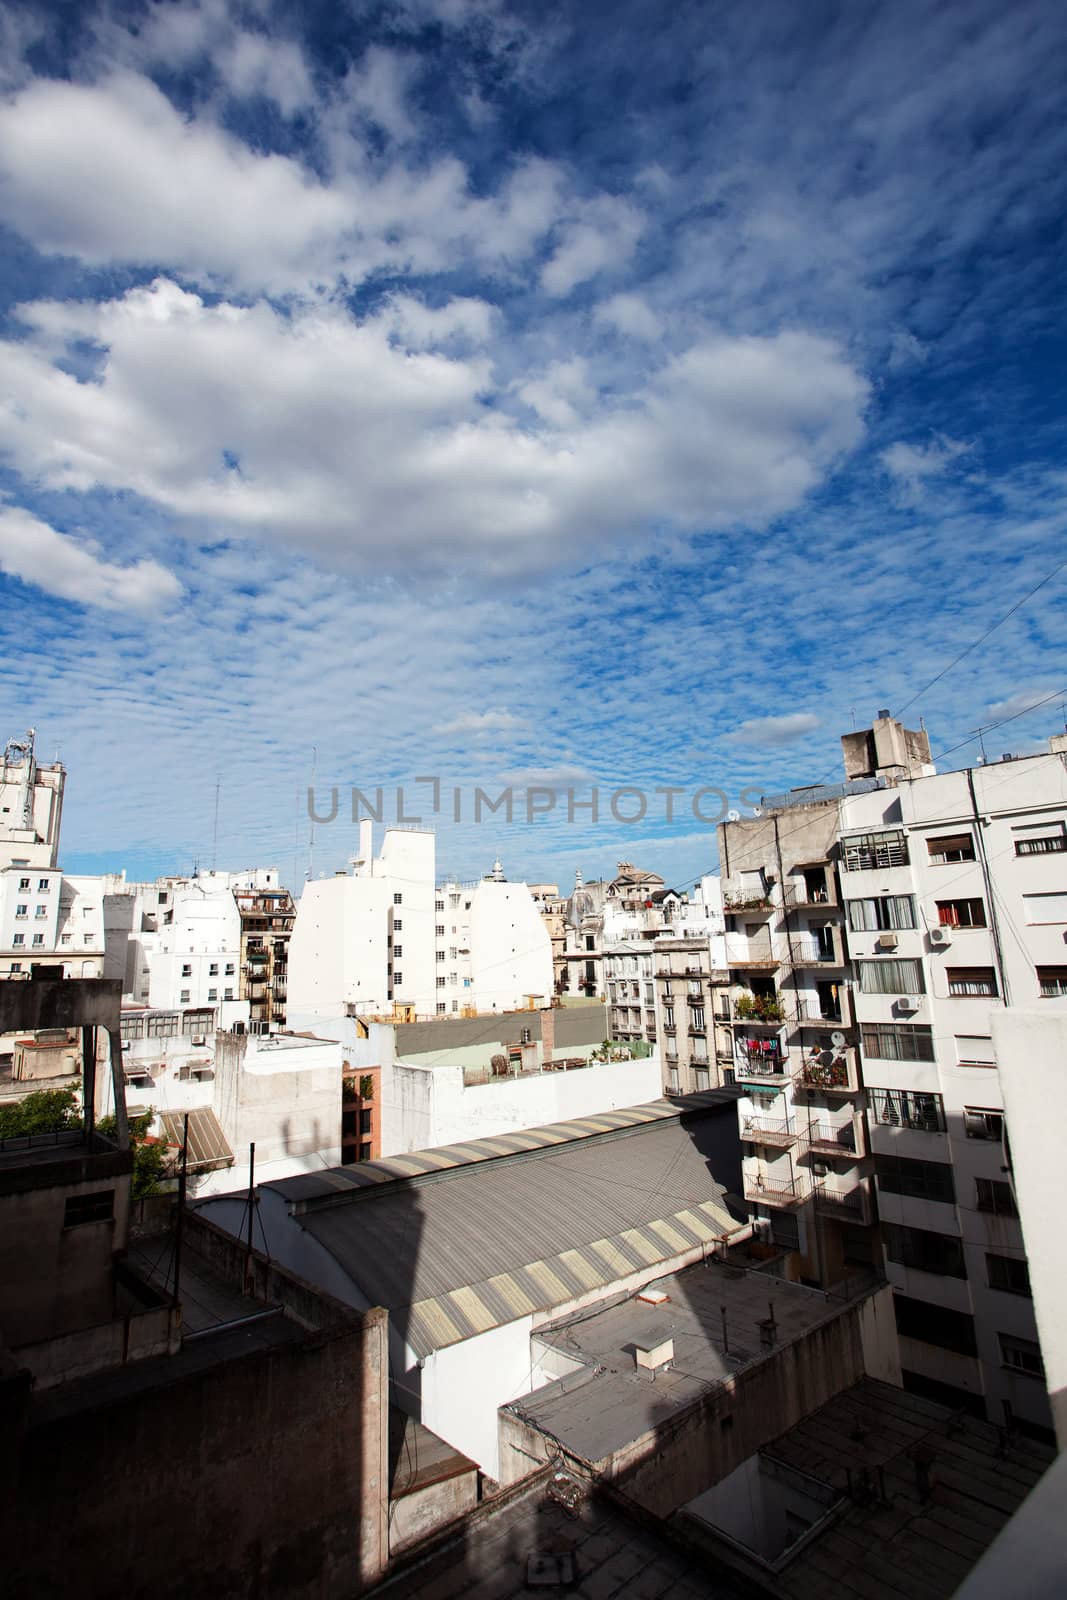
{"x":366,"y":1086}
{"x":149,"y":1158}
{"x":44,"y":1111}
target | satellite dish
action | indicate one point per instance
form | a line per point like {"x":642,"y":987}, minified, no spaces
{"x":837,"y":1040}
{"x":733,"y":816}
{"x":757,"y":811}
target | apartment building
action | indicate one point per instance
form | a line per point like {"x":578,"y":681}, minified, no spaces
{"x":267,"y":914}
{"x":553,"y":909}
{"x":874,"y":928}
{"x":31,"y":806}
{"x":956,"y":891}
{"x":384,"y":939}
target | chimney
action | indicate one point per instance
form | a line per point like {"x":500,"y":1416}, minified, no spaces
{"x":548,"y":1034}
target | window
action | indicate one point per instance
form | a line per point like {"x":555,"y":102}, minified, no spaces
{"x":442,"y":1005}
{"x":668,"y":1018}
{"x":1041,"y":908}
{"x":978,"y":1123}
{"x":950,"y":847}
{"x":1021,"y":1355}
{"x":898,"y":1041}
{"x":1008,"y":1273}
{"x":441,"y":980}
{"x":971,"y":980}
{"x":1052,"y":981}
{"x":667,"y":990}
{"x":696,"y":1018}
{"x":40,"y":911}
{"x":38,"y":938}
{"x":925,"y":1251}
{"x":864,"y":852}
{"x":227,"y":994}
{"x":590,"y":942}
{"x":920,"y":1180}
{"x":907,"y":1108}
{"x":398,"y":950}
{"x":18,"y":939}
{"x":24,"y":883}
{"x":43,"y":885}
{"x":453,"y":952}
{"x":974,"y":1050}
{"x":365,"y":1121}
{"x":397,"y":925}
{"x":96,"y":1207}
{"x":364,"y":1152}
{"x":183,"y":997}
{"x":951,"y":1330}
{"x":1041,"y":839}
{"x":229,"y":969}
{"x":213,"y":970}
{"x":439,"y":905}
{"x":995,"y":1196}
{"x":398,"y":978}
{"x":22,"y":911}
{"x":701,"y":1078}
{"x":892,"y":977}
{"x":187,"y":970}
{"x":880,"y":914}
{"x":440,"y":955}
{"x":440,"y":930}
{"x":16,"y":966}
{"x":162,"y":1026}
{"x":961,"y":913}
{"x":213,"y":994}
{"x":132,"y":1027}
{"x":64,"y":938}
{"x":198,"y":1022}
{"x":398,"y":899}
{"x":89,"y":938}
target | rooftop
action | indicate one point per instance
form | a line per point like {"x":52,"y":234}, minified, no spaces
{"x":611,"y":1403}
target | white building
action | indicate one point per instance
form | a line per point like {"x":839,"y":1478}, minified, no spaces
{"x":31,"y":806}
{"x":50,"y":919}
{"x":385,"y":940}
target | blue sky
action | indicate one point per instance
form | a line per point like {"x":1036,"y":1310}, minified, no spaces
{"x":598,"y":395}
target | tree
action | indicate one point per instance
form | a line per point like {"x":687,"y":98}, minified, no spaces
{"x":44,"y":1111}
{"x":149,"y":1155}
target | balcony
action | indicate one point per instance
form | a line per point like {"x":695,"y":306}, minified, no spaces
{"x":815,"y":952}
{"x":758,"y":1011}
{"x":810,"y":896}
{"x":743,"y":952}
{"x":844,"y":1202}
{"x":828,"y":1073}
{"x":775,"y":1191}
{"x":769,"y":1073}
{"x":817,"y":1013}
{"x":824,"y":1139}
{"x":776,"y":1132}
{"x":751,"y":905}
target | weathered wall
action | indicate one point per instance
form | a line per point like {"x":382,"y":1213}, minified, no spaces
{"x":425,"y":1511}
{"x":134,"y":1337}
{"x":262,"y":1474}
{"x":693,"y":1449}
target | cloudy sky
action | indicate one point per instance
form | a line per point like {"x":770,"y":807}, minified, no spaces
{"x":590,"y":395}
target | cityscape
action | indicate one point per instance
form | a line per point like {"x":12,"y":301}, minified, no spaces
{"x":533,"y":800}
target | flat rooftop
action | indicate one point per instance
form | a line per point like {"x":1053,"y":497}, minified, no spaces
{"x":612,"y":1402}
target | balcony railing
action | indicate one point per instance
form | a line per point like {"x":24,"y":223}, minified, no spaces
{"x":827,"y":1075}
{"x":778,"y":1132}
{"x":817,"y":1014}
{"x":812,"y":953}
{"x":759,"y":1011}
{"x":760,"y":1067}
{"x":805,"y":897}
{"x":775,"y":1191}
{"x":825,"y":1139}
{"x":848,"y":1204}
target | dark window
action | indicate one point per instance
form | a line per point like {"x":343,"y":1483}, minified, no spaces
{"x":349,"y":1124}
{"x":1045,"y":844}
{"x":590,"y":942}
{"x":971,"y":980}
{"x":364,"y":1121}
{"x":981,"y":1124}
{"x":925,"y":1250}
{"x":364,"y":1152}
{"x":908,"y":1108}
{"x":864,"y":852}
{"x":903,"y":1041}
{"x":96,"y":1207}
{"x":951,"y":847}
{"x":951,"y":1330}
{"x":922,"y":1180}
{"x":961,"y":913}
{"x":1021,"y":1355}
{"x":1052,"y":981}
{"x":995,"y":1196}
{"x":398,"y":899}
{"x":1008,"y":1273}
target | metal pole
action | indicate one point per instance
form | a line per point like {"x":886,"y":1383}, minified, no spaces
{"x":251,"y":1209}
{"x":725,"y":1335}
{"x":181,"y":1212}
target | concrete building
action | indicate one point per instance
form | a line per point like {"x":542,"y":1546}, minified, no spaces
{"x":602,"y":915}
{"x":385,"y":940}
{"x":267,"y":914}
{"x":473,"y":1247}
{"x":553,"y":909}
{"x":31,"y":806}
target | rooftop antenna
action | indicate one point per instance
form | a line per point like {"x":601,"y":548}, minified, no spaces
{"x":311,"y":815}
{"x":981,"y":745}
{"x":852,"y":717}
{"x":215,"y":833}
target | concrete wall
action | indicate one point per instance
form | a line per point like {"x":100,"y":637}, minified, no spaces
{"x":464,"y":1384}
{"x":1031,"y":1048}
{"x":262,"y":1473}
{"x":431,"y":1106}
{"x":134,"y":1337}
{"x":425,"y":1511}
{"x":282,"y":1093}
{"x":692,"y":1449}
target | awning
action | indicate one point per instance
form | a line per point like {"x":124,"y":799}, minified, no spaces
{"x":208,"y":1149}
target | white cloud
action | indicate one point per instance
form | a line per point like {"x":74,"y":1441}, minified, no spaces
{"x":253,"y":64}
{"x":907,"y":351}
{"x":37,"y":554}
{"x":603,"y":236}
{"x":482,"y":722}
{"x":378,"y":88}
{"x":1019,"y":703}
{"x":910,"y":465}
{"x":560,"y":395}
{"x":318,"y":431}
{"x":423,"y":327}
{"x":561,"y":777}
{"x":770,"y":732}
{"x":631,"y":315}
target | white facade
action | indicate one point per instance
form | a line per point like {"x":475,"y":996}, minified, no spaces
{"x":31,"y":806}
{"x":442,"y":1102}
{"x":968,"y":872}
{"x":52,"y":919}
{"x":384,"y":939}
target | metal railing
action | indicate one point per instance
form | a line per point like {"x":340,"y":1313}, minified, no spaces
{"x":778,"y":1131}
{"x":774,"y":1191}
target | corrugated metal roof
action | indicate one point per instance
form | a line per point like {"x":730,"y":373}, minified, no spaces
{"x":492,"y":1240}
{"x":208,"y":1149}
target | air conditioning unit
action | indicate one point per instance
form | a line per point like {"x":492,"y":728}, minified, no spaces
{"x":199,"y":1041}
{"x":907,"y":1002}
{"x":940,"y":937}
{"x":887,"y":941}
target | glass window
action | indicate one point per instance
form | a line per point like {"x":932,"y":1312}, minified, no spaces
{"x":96,"y":1207}
{"x":863,"y":852}
{"x":978,"y":1123}
{"x":163,"y":1025}
{"x":1041,"y":839}
{"x":921,"y":1180}
{"x":950,"y":847}
{"x":971,"y":980}
{"x":925,"y":1251}
{"x":907,"y":1108}
{"x":961,"y":913}
{"x":995,"y":1196}
{"x":951,"y":1330}
{"x":975,"y":1050}
{"x":882,"y":914}
{"x":18,"y":939}
{"x":398,"y":899}
{"x":1008,"y":1273}
{"x":1021,"y":1355}
{"x":38,"y":938}
{"x":1052,"y":981}
{"x":892,"y":976}
{"x":42,"y":885}
{"x":183,"y":997}
{"x":898,"y":1041}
